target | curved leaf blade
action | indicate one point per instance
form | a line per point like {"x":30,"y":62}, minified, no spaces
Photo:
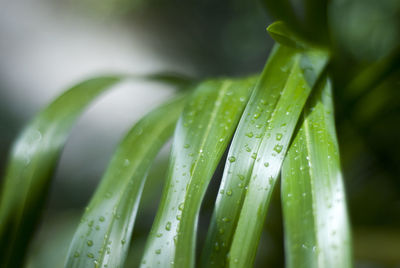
{"x":283,"y":10}
{"x":33,"y":159}
{"x":256,"y":154}
{"x":201,"y":137}
{"x":315,"y":216}
{"x":285,"y":36}
{"x":103,"y":236}
{"x":32,"y":162}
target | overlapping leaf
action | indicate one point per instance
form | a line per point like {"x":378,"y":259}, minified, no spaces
{"x":308,"y":18}
{"x":33,"y":160}
{"x":256,"y":155}
{"x":315,"y":217}
{"x":103,"y":237}
{"x":202,"y":135}
{"x":32,"y":163}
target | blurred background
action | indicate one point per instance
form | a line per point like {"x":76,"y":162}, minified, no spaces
{"x":47,"y":46}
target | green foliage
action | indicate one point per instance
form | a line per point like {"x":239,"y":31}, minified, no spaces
{"x":278,"y":123}
{"x":106,"y":227}
{"x":201,"y":137}
{"x":257,"y":151}
{"x":314,"y":207}
{"x":32,"y":164}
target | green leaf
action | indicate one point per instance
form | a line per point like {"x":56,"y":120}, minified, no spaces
{"x":282,"y":10}
{"x":283,"y":35}
{"x":256,"y":154}
{"x":201,"y":137}
{"x":315,"y":216}
{"x":33,"y":159}
{"x":32,"y":162}
{"x":104,"y":234}
{"x":307,"y":18}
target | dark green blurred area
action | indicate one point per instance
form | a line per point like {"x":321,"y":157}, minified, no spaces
{"x":228,"y":38}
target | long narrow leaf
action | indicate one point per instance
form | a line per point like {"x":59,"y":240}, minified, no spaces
{"x":257,"y":152}
{"x":103,"y":237}
{"x":282,"y":10}
{"x":315,"y":216}
{"x":202,"y":135}
{"x":33,"y":159}
{"x":32,"y":162}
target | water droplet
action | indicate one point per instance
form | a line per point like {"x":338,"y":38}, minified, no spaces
{"x":241,"y":177}
{"x":90,"y":255}
{"x":225,"y":219}
{"x":279,"y":136}
{"x":249,"y":134}
{"x":186,"y":146}
{"x":266,"y":164}
{"x":271,"y":181}
{"x":158,"y":251}
{"x":278,"y":148}
{"x":101,"y":218}
{"x":126,"y":162}
{"x":232,"y":159}
{"x":89,"y":243}
{"x":216,"y":246}
{"x":123,"y":241}
{"x":77,"y":254}
{"x":221,"y":230}
{"x":254,"y":156}
{"x":181,"y":205}
{"x":256,"y":115}
{"x":229,"y":192}
{"x":159,"y":234}
{"x":168,"y":226}
{"x":178,"y":217}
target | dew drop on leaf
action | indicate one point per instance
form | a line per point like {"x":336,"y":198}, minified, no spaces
{"x":278,"y":148}
{"x":168,"y":226}
{"x":232,"y":159}
{"x":225,"y":219}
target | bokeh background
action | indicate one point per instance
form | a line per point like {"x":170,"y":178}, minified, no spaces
{"x":46,"y":46}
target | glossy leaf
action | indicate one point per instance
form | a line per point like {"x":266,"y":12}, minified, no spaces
{"x":33,"y":159}
{"x":32,"y":162}
{"x":104,"y":234}
{"x":257,"y":152}
{"x":283,"y":35}
{"x":282,"y":10}
{"x":313,"y":198}
{"x":307,"y":18}
{"x":201,"y":137}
